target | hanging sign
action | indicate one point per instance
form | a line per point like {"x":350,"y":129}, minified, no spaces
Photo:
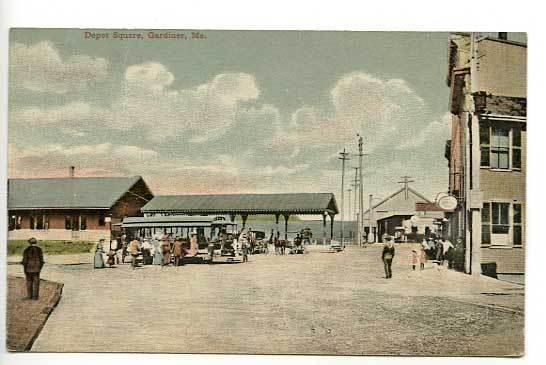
{"x":448,"y":202}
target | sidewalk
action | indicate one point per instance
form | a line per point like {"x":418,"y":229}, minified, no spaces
{"x":439,"y":281}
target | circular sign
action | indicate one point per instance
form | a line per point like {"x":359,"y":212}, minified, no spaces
{"x":414,"y":219}
{"x":447,"y":202}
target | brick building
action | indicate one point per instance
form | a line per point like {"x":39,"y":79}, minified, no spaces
{"x":487,"y":151}
{"x":74,"y":208}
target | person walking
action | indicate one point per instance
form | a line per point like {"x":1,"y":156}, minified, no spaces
{"x":210,"y":250}
{"x":423,"y":258}
{"x":158,"y":256}
{"x":33,"y":261}
{"x":146,"y":252}
{"x":387,"y":256}
{"x":244,"y":248}
{"x":449,"y":251}
{"x":177,"y":251}
{"x":440,"y":252}
{"x":98,"y":261}
{"x":166,"y":251}
{"x":133,"y":250}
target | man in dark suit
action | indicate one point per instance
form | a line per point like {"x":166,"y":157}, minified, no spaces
{"x":33,"y":261}
{"x":387,"y":256}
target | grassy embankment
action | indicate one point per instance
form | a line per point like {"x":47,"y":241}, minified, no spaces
{"x":16,"y":247}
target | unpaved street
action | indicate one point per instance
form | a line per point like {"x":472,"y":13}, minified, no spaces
{"x":317,"y":303}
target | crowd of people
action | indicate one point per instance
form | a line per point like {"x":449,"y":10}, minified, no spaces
{"x":163,"y":250}
{"x":433,"y":248}
{"x":167,"y":250}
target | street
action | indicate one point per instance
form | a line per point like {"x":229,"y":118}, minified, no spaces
{"x":317,"y":303}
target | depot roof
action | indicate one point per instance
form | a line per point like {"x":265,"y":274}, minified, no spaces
{"x":295,"y":203}
{"x":68,"y":193}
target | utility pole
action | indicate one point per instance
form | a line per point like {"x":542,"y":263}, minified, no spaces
{"x":370,"y":214}
{"x":406,"y":181}
{"x":355,"y":186}
{"x":360,"y":192}
{"x":343,"y":158}
{"x":349,"y":205}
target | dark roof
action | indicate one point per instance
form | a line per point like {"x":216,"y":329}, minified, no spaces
{"x":297,"y":203}
{"x":68,"y":193}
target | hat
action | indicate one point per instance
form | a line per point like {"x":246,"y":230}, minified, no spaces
{"x":32,"y":241}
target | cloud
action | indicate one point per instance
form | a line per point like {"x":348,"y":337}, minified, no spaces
{"x":149,"y":74}
{"x":198,"y":114}
{"x":53,"y":160}
{"x":436,"y":130}
{"x":73,"y":113}
{"x":41,"y":68}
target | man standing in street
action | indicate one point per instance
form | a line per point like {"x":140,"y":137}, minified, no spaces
{"x":387,"y":256}
{"x":33,"y":261}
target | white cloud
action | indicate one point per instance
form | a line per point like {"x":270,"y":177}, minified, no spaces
{"x":382,"y":111}
{"x":437,"y":129}
{"x":71,"y":114}
{"x":41,"y":68}
{"x":199,"y":114}
{"x":54,"y":159}
{"x":149,"y":74}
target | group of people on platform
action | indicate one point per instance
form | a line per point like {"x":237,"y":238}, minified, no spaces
{"x":162,"y":250}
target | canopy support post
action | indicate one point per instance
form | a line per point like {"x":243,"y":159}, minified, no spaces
{"x":286,"y":216}
{"x":331,"y":226}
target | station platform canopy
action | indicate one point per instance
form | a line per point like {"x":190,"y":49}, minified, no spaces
{"x":244,"y":204}
{"x":284,"y":205}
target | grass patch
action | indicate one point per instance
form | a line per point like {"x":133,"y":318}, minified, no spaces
{"x":16,"y":247}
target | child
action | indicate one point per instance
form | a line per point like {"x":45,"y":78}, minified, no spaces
{"x":413,"y":259}
{"x":111,"y":258}
{"x":423,"y":258}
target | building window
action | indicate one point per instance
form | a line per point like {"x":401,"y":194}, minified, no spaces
{"x":102,"y":220}
{"x":516,"y":149}
{"x":500,"y":148}
{"x":71,"y":223}
{"x":502,"y":224}
{"x":40,"y":222}
{"x":14,"y":222}
{"x":500,"y":218}
{"x":83,"y":223}
{"x":486,"y":224}
{"x":517,"y":220}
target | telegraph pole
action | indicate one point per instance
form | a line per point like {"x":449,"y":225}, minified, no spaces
{"x":349,"y":200}
{"x":360,"y":192}
{"x":406,"y":181}
{"x":355,"y":186}
{"x":343,"y":158}
{"x":370,"y":215}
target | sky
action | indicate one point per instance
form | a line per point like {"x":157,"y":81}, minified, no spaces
{"x":232,"y":112}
